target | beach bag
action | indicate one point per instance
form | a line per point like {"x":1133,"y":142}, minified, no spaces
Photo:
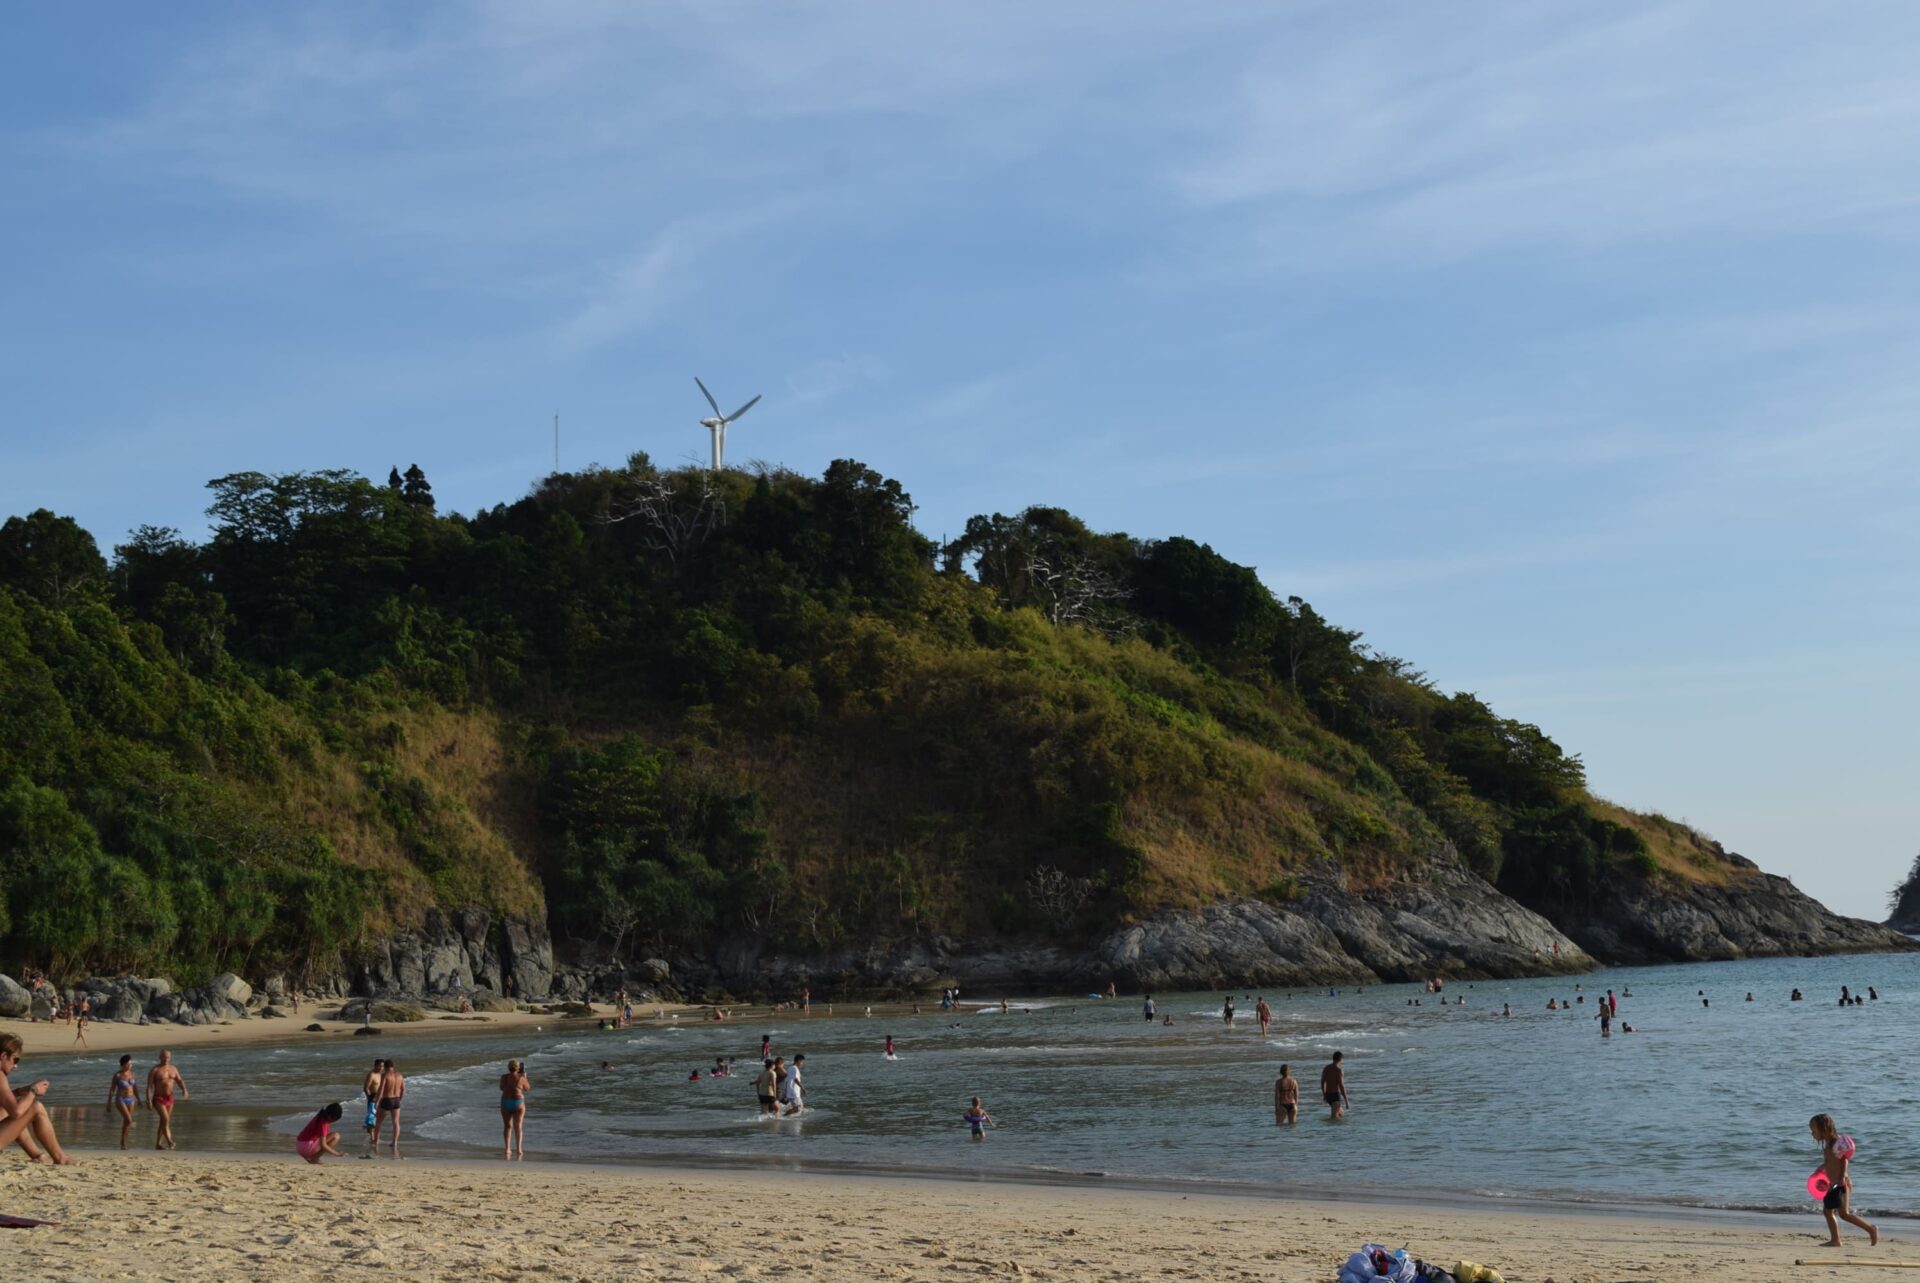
{"x":1361,"y":1269}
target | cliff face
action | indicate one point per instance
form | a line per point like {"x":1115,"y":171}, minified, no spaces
{"x":1451,"y":923}
{"x":1754,"y":916}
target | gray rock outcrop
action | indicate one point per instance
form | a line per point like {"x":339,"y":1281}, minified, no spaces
{"x":1752,"y":915}
{"x":460,"y":952}
{"x":16,"y":1001}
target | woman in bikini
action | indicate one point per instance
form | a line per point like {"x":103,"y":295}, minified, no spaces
{"x":123,"y":1094}
{"x":513,"y":1108}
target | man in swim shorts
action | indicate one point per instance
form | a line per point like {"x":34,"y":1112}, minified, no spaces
{"x":370,"y":1088}
{"x":1264,"y":1014}
{"x":1333,"y":1086}
{"x":163,"y":1081}
{"x":393,"y":1089}
{"x":763,"y":1090}
{"x":1286,"y":1098}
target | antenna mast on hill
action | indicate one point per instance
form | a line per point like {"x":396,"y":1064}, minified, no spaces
{"x":717,"y":425}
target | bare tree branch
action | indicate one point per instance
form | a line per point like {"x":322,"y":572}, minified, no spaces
{"x":674,"y":524}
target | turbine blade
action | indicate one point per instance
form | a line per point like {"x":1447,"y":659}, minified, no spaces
{"x":703,"y":392}
{"x":742,"y":410}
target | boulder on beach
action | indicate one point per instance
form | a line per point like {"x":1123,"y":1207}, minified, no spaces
{"x":232,"y":988}
{"x":15,"y":1000}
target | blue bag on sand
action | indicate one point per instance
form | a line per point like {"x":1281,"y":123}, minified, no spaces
{"x":1361,"y":1269}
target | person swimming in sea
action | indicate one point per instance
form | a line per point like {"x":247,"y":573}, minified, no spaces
{"x":890,"y":1055}
{"x":978,"y":1119}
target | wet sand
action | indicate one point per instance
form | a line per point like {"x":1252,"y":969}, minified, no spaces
{"x":186,"y":1217}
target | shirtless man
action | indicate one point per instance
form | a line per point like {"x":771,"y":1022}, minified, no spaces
{"x":1286,"y":1098}
{"x":1264,"y":1014}
{"x":163,"y":1080}
{"x":393,"y":1088}
{"x":370,"y":1087}
{"x":23,"y":1116}
{"x":1333,"y":1086}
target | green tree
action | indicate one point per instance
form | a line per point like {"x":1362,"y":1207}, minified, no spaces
{"x":50,"y":557}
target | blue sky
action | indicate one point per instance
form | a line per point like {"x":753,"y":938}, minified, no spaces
{"x":1568,"y":351}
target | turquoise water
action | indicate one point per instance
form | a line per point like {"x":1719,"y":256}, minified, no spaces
{"x":1705,"y":1106}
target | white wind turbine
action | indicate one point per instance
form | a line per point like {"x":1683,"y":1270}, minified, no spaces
{"x":717,"y":425}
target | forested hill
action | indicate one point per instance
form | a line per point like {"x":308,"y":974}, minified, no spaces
{"x":672,"y":708}
{"x":1903,"y":905}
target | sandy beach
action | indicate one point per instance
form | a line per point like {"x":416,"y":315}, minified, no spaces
{"x":56,"y":1039}
{"x":183,"y":1217}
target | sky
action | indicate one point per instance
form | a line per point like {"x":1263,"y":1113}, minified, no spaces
{"x":1568,"y":352}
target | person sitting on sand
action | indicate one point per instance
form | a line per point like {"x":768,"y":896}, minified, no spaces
{"x":23,"y":1114}
{"x":163,"y":1081}
{"x":513,"y":1108}
{"x":123,"y":1094}
{"x":317,"y":1137}
{"x":979,"y":1119}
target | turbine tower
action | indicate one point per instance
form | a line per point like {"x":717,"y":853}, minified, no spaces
{"x":717,"y":425}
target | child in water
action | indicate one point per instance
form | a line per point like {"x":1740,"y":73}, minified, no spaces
{"x":1835,"y":1161}
{"x":890,"y":1047}
{"x":317,"y":1137}
{"x":979,"y":1119}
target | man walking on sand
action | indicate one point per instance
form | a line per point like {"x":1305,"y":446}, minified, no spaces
{"x":393,"y":1088}
{"x":1333,"y":1086}
{"x":163,"y":1080}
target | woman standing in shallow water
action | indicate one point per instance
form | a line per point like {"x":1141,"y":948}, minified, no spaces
{"x":123,"y":1094}
{"x":513,"y":1108}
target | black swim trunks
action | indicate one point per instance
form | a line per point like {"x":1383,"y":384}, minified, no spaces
{"x":1835,"y":1200}
{"x":1331,"y":1097}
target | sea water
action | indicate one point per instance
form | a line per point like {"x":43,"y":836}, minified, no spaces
{"x":1704,"y":1105}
